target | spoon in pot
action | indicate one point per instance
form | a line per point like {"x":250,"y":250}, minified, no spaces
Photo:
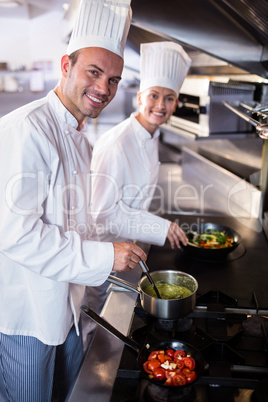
{"x":145,"y":269}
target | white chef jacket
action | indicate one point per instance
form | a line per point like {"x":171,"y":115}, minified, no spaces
{"x":45,"y":255}
{"x":125,"y":167}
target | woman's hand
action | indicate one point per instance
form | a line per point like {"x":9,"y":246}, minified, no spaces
{"x":175,"y":235}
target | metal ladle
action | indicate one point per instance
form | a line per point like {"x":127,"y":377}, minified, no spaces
{"x":145,"y":269}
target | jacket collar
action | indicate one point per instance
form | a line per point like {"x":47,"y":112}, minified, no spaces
{"x":142,"y":135}
{"x":61,"y":110}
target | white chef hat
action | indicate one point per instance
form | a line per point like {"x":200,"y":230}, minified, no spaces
{"x":101,"y":23}
{"x":163,"y":64}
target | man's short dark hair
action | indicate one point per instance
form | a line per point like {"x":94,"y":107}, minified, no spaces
{"x":74,"y":56}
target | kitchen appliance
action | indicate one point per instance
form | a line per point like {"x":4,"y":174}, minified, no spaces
{"x":229,"y":30}
{"x":200,"y":109}
{"x":228,"y":325}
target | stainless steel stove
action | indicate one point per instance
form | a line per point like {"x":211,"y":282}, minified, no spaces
{"x":229,"y":326}
{"x":234,"y":347}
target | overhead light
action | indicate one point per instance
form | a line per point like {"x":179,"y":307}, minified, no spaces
{"x":7,"y":3}
{"x":66,"y":6}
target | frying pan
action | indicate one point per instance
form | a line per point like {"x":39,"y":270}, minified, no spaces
{"x":145,"y":349}
{"x":210,"y":253}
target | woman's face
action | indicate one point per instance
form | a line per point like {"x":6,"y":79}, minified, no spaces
{"x":156,"y":105}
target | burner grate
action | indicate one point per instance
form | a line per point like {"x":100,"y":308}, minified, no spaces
{"x":153,"y":393}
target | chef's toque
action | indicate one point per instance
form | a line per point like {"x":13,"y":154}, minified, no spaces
{"x":101,"y":23}
{"x":163,"y":64}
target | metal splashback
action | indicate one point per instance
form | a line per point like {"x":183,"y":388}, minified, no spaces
{"x":234,"y":31}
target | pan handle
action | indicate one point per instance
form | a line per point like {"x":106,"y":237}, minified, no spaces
{"x":122,"y":283}
{"x":106,"y":325}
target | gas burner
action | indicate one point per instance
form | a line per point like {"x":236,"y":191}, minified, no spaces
{"x":179,"y":325}
{"x":155,"y":393}
{"x":166,"y":325}
{"x":256,"y":326}
{"x":221,"y":353}
{"x":158,"y":324}
{"x":216,"y":298}
{"x":260,"y":394}
{"x":236,"y":361}
{"x":152,"y":328}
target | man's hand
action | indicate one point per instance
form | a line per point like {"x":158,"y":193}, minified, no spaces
{"x":127,"y":256}
{"x":175,"y":235}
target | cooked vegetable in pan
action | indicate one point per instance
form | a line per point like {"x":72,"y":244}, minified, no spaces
{"x":210,"y":239}
{"x":168,"y":291}
{"x":172,"y":367}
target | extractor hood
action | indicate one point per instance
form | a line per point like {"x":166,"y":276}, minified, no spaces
{"x":233,"y":31}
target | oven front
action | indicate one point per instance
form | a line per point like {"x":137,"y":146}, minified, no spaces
{"x":201,"y":111}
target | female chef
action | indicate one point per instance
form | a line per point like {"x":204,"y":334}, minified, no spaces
{"x":125,"y":161}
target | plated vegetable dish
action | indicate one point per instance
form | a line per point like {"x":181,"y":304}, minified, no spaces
{"x":171,"y":367}
{"x":214,"y":239}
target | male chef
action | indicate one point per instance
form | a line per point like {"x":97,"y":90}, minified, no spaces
{"x":47,"y":256}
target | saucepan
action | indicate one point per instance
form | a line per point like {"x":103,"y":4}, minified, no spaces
{"x":145,"y":349}
{"x":211,"y":253}
{"x":168,"y":309}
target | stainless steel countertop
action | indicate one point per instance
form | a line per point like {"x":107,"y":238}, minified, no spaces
{"x":98,"y":371}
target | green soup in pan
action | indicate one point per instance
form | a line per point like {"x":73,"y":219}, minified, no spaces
{"x":168,"y":291}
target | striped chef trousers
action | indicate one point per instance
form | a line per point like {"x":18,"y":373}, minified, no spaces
{"x":31,"y":371}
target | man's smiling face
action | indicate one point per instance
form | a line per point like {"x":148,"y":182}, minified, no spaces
{"x":91,"y":83}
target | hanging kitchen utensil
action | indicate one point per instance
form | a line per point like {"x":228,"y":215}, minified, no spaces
{"x":261,"y":128}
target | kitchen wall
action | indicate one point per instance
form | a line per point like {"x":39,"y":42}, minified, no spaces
{"x":27,"y":44}
{"x":26,"y":41}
